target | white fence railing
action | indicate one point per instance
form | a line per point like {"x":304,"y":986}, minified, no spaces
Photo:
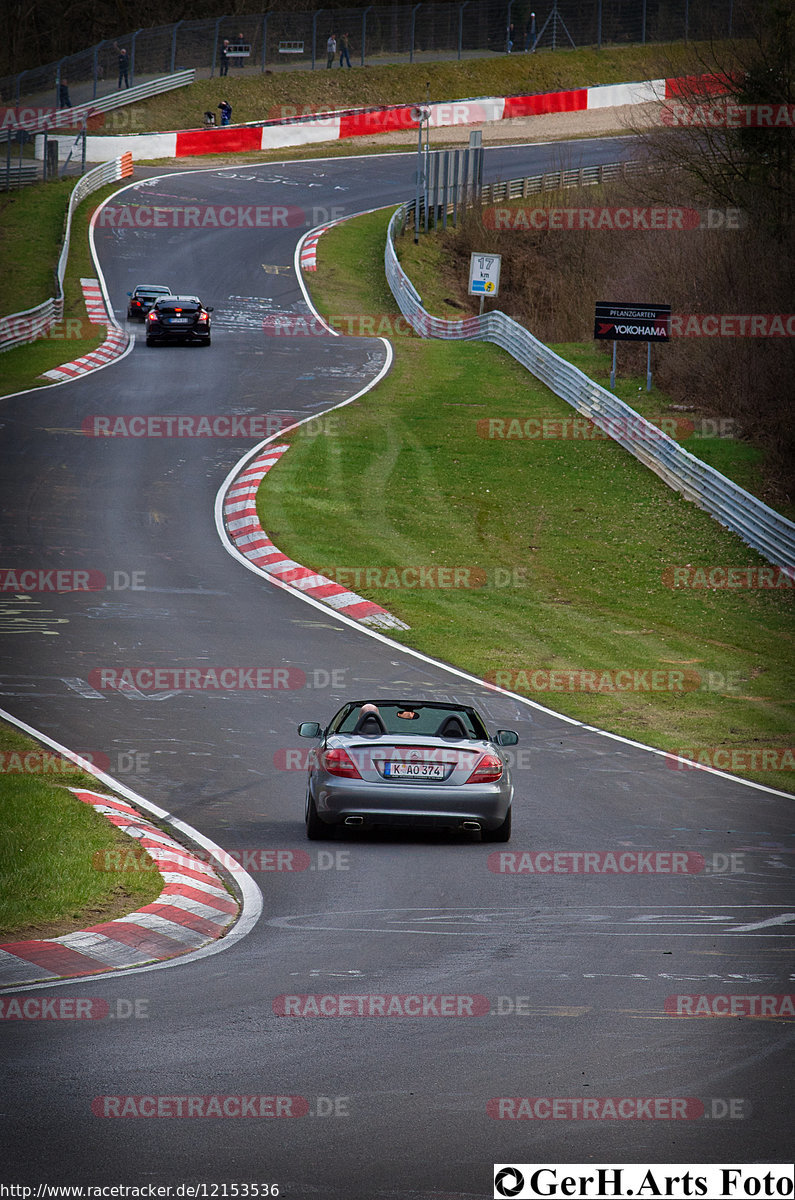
{"x":69,"y":118}
{"x":765,"y":530}
{"x":23,"y":327}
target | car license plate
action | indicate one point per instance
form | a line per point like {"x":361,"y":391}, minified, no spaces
{"x":412,"y":770}
{"x":180,"y":320}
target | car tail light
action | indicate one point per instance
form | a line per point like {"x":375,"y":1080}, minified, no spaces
{"x":488,"y":770}
{"x":339,"y":762}
{"x":152,"y":316}
{"x":203,"y":318}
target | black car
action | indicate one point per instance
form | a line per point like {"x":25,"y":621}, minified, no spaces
{"x":178,"y":318}
{"x":143,"y":297}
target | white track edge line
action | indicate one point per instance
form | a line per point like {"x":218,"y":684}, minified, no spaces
{"x":251,"y":896}
{"x":460,"y":674}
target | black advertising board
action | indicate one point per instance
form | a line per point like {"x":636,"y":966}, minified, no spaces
{"x":632,"y":322}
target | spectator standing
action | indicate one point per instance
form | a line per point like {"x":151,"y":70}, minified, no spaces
{"x":331,"y":50}
{"x":344,"y":49}
{"x":63,"y":94}
{"x":224,"y":57}
{"x":226,"y":112}
{"x":124,"y":67}
{"x":241,"y":41}
{"x":530,"y":36}
{"x":509,"y":47}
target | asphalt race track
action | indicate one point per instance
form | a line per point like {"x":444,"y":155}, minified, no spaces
{"x":576,"y":967}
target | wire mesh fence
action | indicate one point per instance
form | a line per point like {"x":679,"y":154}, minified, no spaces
{"x":378,"y":32}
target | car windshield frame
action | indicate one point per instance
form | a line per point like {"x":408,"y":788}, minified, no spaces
{"x":431,"y":715}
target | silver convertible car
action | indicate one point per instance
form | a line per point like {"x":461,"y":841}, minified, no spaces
{"x":409,"y":763}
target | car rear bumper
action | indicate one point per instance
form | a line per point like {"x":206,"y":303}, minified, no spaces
{"x":421,"y":805}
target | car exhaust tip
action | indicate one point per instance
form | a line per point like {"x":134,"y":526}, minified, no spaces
{"x":474,"y":826}
{"x":354,"y":820}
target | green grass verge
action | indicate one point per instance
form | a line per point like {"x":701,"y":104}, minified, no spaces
{"x":443,"y":292}
{"x":38,"y":219}
{"x":53,"y":846}
{"x":577,"y":532}
{"x":260,"y":97}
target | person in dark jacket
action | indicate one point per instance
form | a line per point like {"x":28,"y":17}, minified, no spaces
{"x":224,"y":56}
{"x":124,"y":67}
{"x":226,"y":112}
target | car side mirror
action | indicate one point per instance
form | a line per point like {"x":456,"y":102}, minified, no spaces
{"x":129,"y":293}
{"x":506,"y":737}
{"x":309,"y":729}
{"x":210,"y":308}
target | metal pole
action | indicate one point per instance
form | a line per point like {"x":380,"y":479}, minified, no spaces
{"x":461,"y":8}
{"x":436,"y":189}
{"x":599,"y":25}
{"x":508,"y":23}
{"x":687,"y":19}
{"x":419,"y":178}
{"x":264,"y":39}
{"x":413,"y":26}
{"x":445,"y":178}
{"x":215,"y":45}
{"x":648,"y":366}
{"x":314,"y":35}
{"x":83,"y":148}
{"x":613,"y":371}
{"x":455,"y":188}
{"x":643,"y":23}
{"x":58,"y":82}
{"x":174,"y":46}
{"x":132,"y":57}
{"x":426,"y":163}
{"x":8,"y":162}
{"x":731,"y":17}
{"x":96,"y":68}
{"x":364,"y":28}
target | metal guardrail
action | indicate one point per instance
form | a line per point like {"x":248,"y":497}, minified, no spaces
{"x":553,"y":181}
{"x":16,"y":175}
{"x":20,"y":328}
{"x":759,"y":526}
{"x":70,"y":118}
